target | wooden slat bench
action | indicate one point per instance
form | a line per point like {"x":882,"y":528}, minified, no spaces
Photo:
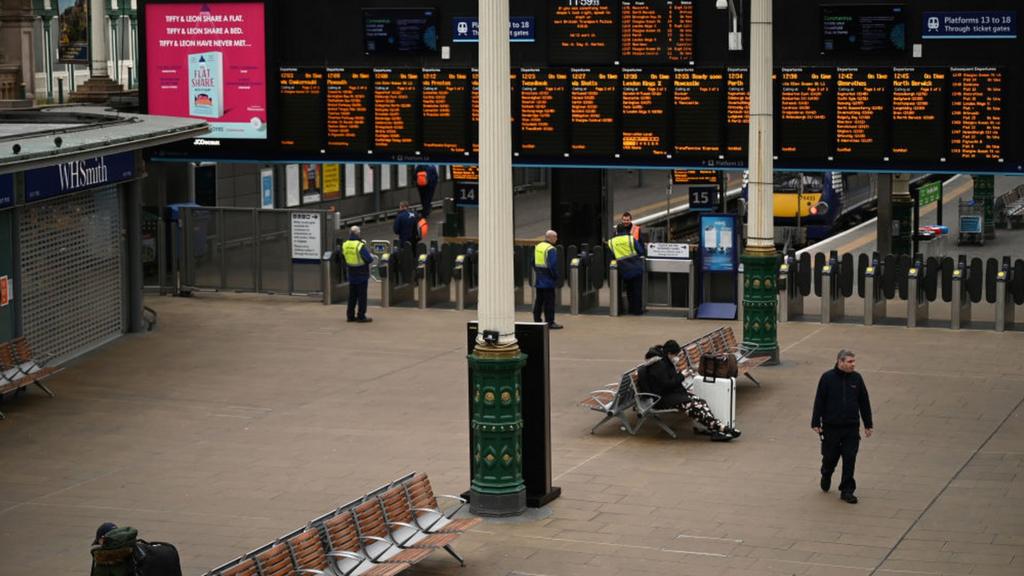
{"x":381,"y":534}
{"x":20,"y":367}
{"x":723,"y":341}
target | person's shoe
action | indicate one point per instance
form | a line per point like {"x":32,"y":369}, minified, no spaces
{"x":732,"y":432}
{"x":364,"y":320}
{"x":351,"y":320}
{"x":717,"y":436}
{"x":848,"y":497}
{"x":826,"y":483}
{"x":554,"y":326}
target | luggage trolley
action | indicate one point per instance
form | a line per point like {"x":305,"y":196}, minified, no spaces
{"x":971,"y":223}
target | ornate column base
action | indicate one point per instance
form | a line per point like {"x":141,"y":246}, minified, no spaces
{"x":761,"y":302}
{"x":497,"y":487}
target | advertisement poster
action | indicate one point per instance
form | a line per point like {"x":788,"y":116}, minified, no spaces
{"x":267,"y":188}
{"x":291,"y":185}
{"x":207,"y":61}
{"x":332,"y":181}
{"x":718,"y":242}
{"x":73,"y":19}
{"x":305,"y":236}
{"x":310,"y":183}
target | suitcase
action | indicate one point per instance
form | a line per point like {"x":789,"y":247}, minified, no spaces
{"x":720,"y":394}
{"x":717,"y":366}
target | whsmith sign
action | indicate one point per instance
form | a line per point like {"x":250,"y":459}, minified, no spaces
{"x":6,"y":190}
{"x":78,"y":175}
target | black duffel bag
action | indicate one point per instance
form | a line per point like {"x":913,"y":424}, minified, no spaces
{"x":717,"y":366}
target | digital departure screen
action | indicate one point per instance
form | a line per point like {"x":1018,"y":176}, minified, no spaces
{"x":594,"y":103}
{"x":918,"y":114}
{"x":645,"y":111}
{"x":806,"y":101}
{"x":657,"y":31}
{"x":474,"y":109}
{"x":400,"y":30}
{"x":445,"y":105}
{"x":396,"y":110}
{"x":698,"y":99}
{"x":301,"y":108}
{"x":878,"y":28}
{"x":976,"y":113}
{"x":862,"y":113}
{"x":694,"y":177}
{"x":583,"y":31}
{"x":465,"y":173}
{"x":737,"y":110}
{"x":349,"y":107}
{"x":543,"y":115}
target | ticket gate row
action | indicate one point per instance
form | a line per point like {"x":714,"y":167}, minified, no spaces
{"x":921,"y":283}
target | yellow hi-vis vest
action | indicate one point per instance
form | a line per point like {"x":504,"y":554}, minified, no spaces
{"x":540,"y":254}
{"x":622,"y":246}
{"x":350,"y":249}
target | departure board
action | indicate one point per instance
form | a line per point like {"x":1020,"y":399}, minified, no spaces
{"x":645,"y":112}
{"x":543,"y":111}
{"x":976,"y":113}
{"x":862,"y":113}
{"x":445,"y":104}
{"x":737,"y":110}
{"x":695,"y":177}
{"x":465,"y":173}
{"x":697,"y":96}
{"x":301,"y":108}
{"x":918,"y":114}
{"x":396,"y":110}
{"x":349,"y":105}
{"x":656,"y":31}
{"x":806,"y":101}
{"x":474,"y":109}
{"x":593,"y":105}
{"x":583,"y":31}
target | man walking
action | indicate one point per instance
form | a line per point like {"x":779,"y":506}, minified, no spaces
{"x":405,"y":225}
{"x":840,"y":404}
{"x":357,"y":258}
{"x":426,"y":183}
{"x":545,"y":267}
{"x":627,"y":254}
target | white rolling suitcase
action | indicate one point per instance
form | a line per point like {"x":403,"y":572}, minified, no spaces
{"x":720,"y":396}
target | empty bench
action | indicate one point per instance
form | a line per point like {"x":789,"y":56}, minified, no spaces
{"x":381,"y":534}
{"x":723,"y":341}
{"x":20,"y":367}
{"x":1010,"y":207}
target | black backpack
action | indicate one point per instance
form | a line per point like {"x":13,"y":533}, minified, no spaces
{"x":156,"y":559}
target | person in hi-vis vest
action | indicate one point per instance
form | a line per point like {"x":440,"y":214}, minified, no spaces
{"x":357,"y":258}
{"x":545,"y":267}
{"x":627,"y":253}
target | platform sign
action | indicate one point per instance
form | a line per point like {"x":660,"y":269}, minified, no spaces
{"x":996,"y":25}
{"x":930,"y":192}
{"x":718,"y":246}
{"x":703,"y":198}
{"x":668,"y":251}
{"x":520,"y":29}
{"x":305,"y":236}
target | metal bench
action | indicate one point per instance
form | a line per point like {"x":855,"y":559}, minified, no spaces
{"x":20,"y":367}
{"x":722,"y":341}
{"x":613,"y":401}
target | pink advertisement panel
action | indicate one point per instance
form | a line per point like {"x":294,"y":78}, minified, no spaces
{"x":208,"y":61}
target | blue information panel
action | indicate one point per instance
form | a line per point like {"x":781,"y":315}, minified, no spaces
{"x":78,"y":175}
{"x":6,"y":190}
{"x":969,"y":25}
{"x":719,"y":249}
{"x":520,"y":29}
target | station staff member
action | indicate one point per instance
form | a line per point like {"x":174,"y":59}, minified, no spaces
{"x":545,"y":267}
{"x":627,"y":223}
{"x":627,"y":252}
{"x":357,"y":258}
{"x":405,"y":224}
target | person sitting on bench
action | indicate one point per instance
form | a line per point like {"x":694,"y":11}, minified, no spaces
{"x":663,"y":378}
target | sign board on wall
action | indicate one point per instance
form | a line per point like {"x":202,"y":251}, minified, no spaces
{"x":467,"y":29}
{"x":305,"y":236}
{"x":718,"y":242}
{"x":668,"y":251}
{"x":929,"y":193}
{"x":78,"y":175}
{"x":6,"y":190}
{"x":332,"y":181}
{"x":969,"y":25}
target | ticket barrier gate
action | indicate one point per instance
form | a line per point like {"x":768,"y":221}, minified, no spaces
{"x":960,"y":303}
{"x":431,"y":290}
{"x":1005,"y":304}
{"x":582,"y":294}
{"x":791,"y":300}
{"x":874,"y":296}
{"x":334,"y":279}
{"x":669,"y":267}
{"x":466,"y":291}
{"x":833,"y":302}
{"x":393,"y":289}
{"x":917,"y":299}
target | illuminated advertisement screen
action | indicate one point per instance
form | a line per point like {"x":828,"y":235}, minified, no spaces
{"x":208,"y":61}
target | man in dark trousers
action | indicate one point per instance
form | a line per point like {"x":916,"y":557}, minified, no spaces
{"x":405,"y":224}
{"x":545,"y":267}
{"x":426,"y":183}
{"x":842,"y":401}
{"x":627,"y":252}
{"x":357,"y":258}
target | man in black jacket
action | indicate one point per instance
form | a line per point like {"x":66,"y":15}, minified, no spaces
{"x":842,"y":401}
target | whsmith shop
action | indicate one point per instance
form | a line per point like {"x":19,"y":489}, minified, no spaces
{"x":70,"y":230}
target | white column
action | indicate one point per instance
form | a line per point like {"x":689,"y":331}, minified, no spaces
{"x":761,"y":235}
{"x":496,"y":310}
{"x":98,"y":48}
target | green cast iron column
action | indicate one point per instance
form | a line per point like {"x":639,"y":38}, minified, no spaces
{"x":761,"y":302}
{"x":497,"y":486}
{"x":984,"y":194}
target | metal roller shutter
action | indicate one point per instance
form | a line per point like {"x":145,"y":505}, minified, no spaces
{"x":72,"y":272}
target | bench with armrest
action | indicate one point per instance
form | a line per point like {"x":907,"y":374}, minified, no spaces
{"x":20,"y":367}
{"x":723,"y":341}
{"x":613,"y":401}
{"x":646,"y":406}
